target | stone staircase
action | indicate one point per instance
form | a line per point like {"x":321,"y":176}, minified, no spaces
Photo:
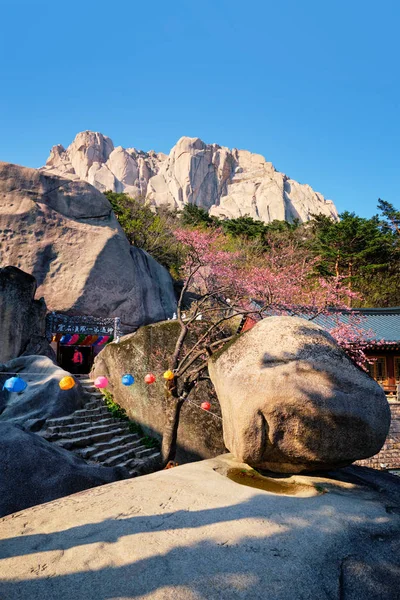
{"x":93,"y":434}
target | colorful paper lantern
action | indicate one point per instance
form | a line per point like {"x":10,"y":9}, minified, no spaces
{"x":205,"y":405}
{"x":101,"y":382}
{"x":73,"y":340}
{"x":99,"y":341}
{"x":65,"y":339}
{"x":15,"y":384}
{"x":81,"y":339}
{"x":67,"y":382}
{"x":168,"y":375}
{"x":128,"y":380}
{"x":149,"y":378}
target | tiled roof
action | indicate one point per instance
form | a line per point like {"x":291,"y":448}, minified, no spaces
{"x":378,"y":323}
{"x":382,"y":323}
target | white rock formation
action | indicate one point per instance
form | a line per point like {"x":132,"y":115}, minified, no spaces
{"x":228,"y":183}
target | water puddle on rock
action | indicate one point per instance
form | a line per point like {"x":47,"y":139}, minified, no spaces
{"x":254,"y":479}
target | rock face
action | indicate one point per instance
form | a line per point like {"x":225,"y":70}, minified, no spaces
{"x":148,"y":351}
{"x":227,"y":183}
{"x":42,"y":399}
{"x":191,"y":533}
{"x":292,"y":401}
{"x":65,"y":234}
{"x":33,"y":471}
{"x":22,"y":318}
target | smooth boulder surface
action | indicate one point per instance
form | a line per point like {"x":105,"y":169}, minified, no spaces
{"x":33,"y":471}
{"x":42,"y":399}
{"x":22,"y":318}
{"x":66,"y":235}
{"x":191,"y":533}
{"x":228,"y":182}
{"x":149,"y":350}
{"x":293,"y":401}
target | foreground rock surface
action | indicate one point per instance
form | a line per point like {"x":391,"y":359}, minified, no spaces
{"x":190,"y":533}
{"x":228,"y":183}
{"x":33,"y":471}
{"x":65,"y":234}
{"x":293,"y":401}
{"x":42,"y":399}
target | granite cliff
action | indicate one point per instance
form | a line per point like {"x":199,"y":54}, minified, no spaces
{"x":227,"y":183}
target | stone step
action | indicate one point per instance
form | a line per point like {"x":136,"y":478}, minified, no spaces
{"x":115,"y":451}
{"x":94,"y":404}
{"x":147,"y":453}
{"x":70,"y":419}
{"x":85,"y":431}
{"x":96,"y":428}
{"x":111,"y":444}
{"x":84,"y":412}
{"x":88,"y":440}
{"x":70,"y":428}
{"x":123,"y":457}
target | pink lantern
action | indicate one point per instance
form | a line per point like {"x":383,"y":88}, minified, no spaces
{"x":149,"y":378}
{"x":101,"y":382}
{"x":73,"y":340}
{"x":205,"y":405}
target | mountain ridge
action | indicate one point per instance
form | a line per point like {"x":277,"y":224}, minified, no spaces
{"x":229,"y":183}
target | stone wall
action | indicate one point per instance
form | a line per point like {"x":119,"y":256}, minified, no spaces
{"x":148,"y":350}
{"x":389,"y":456}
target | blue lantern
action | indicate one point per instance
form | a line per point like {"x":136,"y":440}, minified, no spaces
{"x":15,"y":384}
{"x":128,"y":380}
{"x":65,"y":339}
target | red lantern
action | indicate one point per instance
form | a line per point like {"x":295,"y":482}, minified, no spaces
{"x":205,"y":405}
{"x":149,"y":378}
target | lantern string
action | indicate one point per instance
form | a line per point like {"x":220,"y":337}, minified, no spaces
{"x":206,"y":411}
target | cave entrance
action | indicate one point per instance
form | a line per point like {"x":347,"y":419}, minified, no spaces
{"x":77,"y":340}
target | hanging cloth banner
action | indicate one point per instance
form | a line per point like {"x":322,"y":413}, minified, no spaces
{"x":81,"y":338}
{"x":105,"y":339}
{"x":99,"y":341}
{"x":65,"y":339}
{"x":73,"y":340}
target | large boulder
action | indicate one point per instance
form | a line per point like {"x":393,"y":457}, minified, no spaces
{"x":293,"y":401}
{"x":42,"y":399}
{"x":65,"y":234}
{"x":33,"y":471}
{"x":228,"y":183}
{"x":149,"y":350}
{"x":22,"y":318}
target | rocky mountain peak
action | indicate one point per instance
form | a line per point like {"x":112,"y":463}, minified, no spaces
{"x":227,"y":183}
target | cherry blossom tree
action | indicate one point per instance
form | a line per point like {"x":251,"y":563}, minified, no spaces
{"x":221,"y":287}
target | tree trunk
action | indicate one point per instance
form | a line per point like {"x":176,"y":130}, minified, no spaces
{"x":170,"y":435}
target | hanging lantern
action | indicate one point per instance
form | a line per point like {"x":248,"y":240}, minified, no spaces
{"x":168,"y":375}
{"x":105,"y":339}
{"x":128,"y":380}
{"x":73,"y":339}
{"x":67,"y":382}
{"x":149,"y":378}
{"x":101,"y":382}
{"x":15,"y":384}
{"x":99,"y":341}
{"x":65,"y":339}
{"x":205,"y":405}
{"x":81,"y":338}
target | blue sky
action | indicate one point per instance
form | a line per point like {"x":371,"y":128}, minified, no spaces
{"x":314,"y":86}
